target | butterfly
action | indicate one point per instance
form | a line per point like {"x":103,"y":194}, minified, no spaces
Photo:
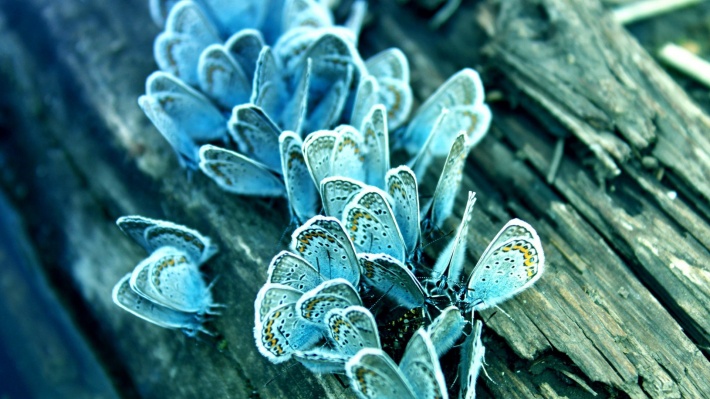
{"x":512,"y":262}
{"x":439,"y":208}
{"x":349,"y":330}
{"x":369,"y":220}
{"x":390,"y":70}
{"x":289,"y":320}
{"x":225,"y":72}
{"x":152,"y":234}
{"x":160,"y":315}
{"x":462,"y":96}
{"x":183,"y":115}
{"x":168,"y":278}
{"x":472,"y":353}
{"x":373,"y":374}
{"x":188,"y":31}
{"x":167,"y":287}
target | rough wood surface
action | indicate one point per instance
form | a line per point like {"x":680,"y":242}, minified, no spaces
{"x":621,"y":312}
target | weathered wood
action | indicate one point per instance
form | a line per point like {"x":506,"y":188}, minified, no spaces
{"x":585,"y":70}
{"x":625,"y":265}
{"x":49,"y":356}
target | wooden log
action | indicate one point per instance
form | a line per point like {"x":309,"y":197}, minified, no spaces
{"x":625,"y":275}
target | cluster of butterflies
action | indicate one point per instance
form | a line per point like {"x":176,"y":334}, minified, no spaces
{"x":357,"y":272}
{"x":167,"y":288}
{"x":241,"y":109}
{"x":282,"y":104}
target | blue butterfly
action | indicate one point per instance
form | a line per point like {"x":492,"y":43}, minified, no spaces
{"x":183,"y":115}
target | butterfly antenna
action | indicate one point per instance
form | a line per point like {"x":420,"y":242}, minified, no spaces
{"x":382,"y":296}
{"x":441,"y":237}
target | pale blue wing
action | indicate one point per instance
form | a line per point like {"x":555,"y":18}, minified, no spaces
{"x":448,"y":186}
{"x":352,"y":329}
{"x":188,"y":31}
{"x":294,"y":115}
{"x":130,"y":301}
{"x":336,"y":191}
{"x":446,"y":329}
{"x":390,"y":63}
{"x":349,"y":157}
{"x":396,"y":95}
{"x":366,"y":97}
{"x":256,"y":135}
{"x":326,"y":111}
{"x":506,"y":267}
{"x":451,"y":259}
{"x":370,"y":222}
{"x":135,"y":226}
{"x":373,"y":375}
{"x":152,"y":234}
{"x":245,"y":47}
{"x":140,"y":283}
{"x":421,"y":367}
{"x":473,"y":120}
{"x":317,"y":150}
{"x":464,"y":88}
{"x":238,"y":174}
{"x":302,"y":193}
{"x":195,"y":115}
{"x":221,"y":78}
{"x":181,"y":114}
{"x":425,"y":156}
{"x":335,"y":65}
{"x":391,"y":69}
{"x":315,"y":304}
{"x":194,"y":245}
{"x":472,"y":354}
{"x":178,"y":282}
{"x":290,"y":48}
{"x":323,"y":243}
{"x":376,"y":140}
{"x":273,"y":296}
{"x":402,"y":187}
{"x":269,"y":91}
{"x":305,"y":13}
{"x":293,"y":271}
{"x":281,"y":331}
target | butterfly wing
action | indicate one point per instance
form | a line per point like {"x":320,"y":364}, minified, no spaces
{"x":336,"y":192}
{"x":451,"y":259}
{"x":323,"y":243}
{"x":472,"y":353}
{"x":238,"y":174}
{"x":302,"y":193}
{"x":421,"y":367}
{"x":513,"y":261}
{"x":388,"y":278}
{"x":369,"y":220}
{"x":401,"y":185}
{"x":293,"y":271}
{"x":132,"y":302}
{"x":373,"y":375}
{"x":376,"y":140}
